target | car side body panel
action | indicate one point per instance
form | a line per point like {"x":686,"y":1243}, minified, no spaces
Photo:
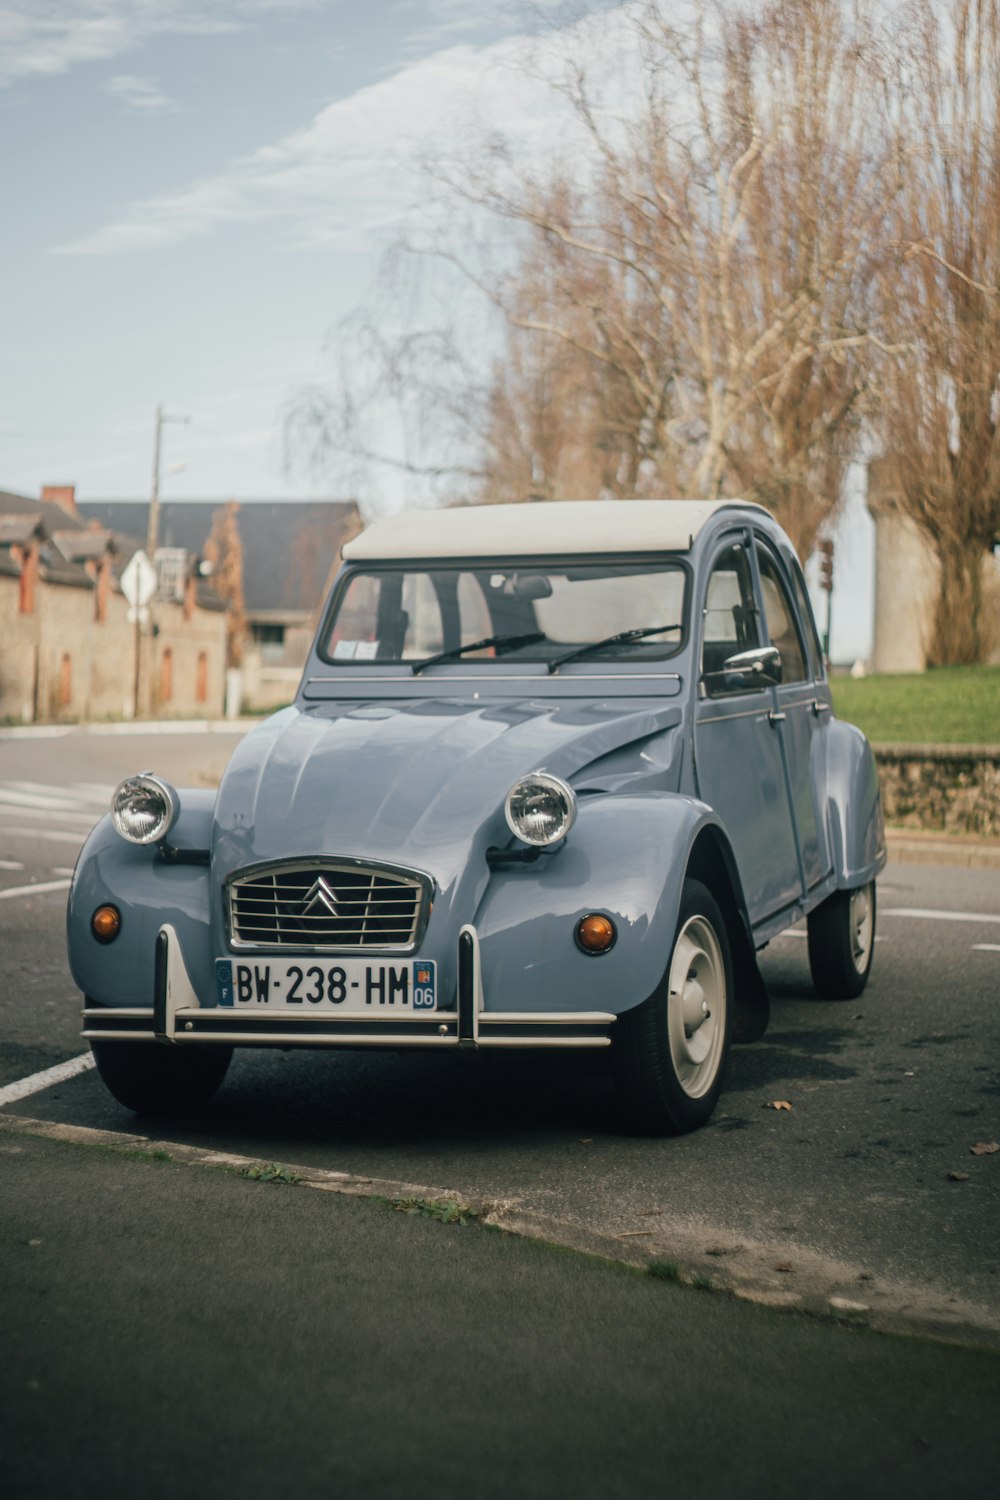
{"x":853,"y":806}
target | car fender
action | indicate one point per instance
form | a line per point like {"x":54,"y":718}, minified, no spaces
{"x":149,"y":888}
{"x":627,"y":857}
{"x":854,"y":806}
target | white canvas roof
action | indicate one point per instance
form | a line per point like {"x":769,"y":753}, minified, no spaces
{"x":539,"y":528}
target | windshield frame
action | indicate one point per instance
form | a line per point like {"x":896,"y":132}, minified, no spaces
{"x":619,"y":658}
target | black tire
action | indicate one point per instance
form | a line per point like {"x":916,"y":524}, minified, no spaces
{"x":842,"y":943}
{"x":665,"y":1085}
{"x":153,"y":1078}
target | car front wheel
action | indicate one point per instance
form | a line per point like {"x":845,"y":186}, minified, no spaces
{"x":842,"y":943}
{"x":670,"y":1052}
{"x":152,"y":1078}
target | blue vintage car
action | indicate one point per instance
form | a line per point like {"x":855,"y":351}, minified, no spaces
{"x":553,"y":775}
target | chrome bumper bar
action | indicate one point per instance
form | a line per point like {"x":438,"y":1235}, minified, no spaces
{"x":177,"y":1016}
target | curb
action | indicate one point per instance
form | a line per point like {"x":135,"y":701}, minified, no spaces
{"x":914,"y":847}
{"x":901,"y":1309}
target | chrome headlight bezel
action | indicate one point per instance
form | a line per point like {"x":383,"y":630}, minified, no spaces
{"x":544,"y":782}
{"x":145,"y":786}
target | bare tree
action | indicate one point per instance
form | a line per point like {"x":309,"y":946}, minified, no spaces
{"x":681,"y":292}
{"x":224,"y":550}
{"x":941,"y":395}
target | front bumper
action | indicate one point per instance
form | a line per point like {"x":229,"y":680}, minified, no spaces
{"x":178,"y":1017}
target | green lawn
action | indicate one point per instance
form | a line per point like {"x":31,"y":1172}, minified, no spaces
{"x":946,"y":706}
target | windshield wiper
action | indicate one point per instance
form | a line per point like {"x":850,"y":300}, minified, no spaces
{"x":507,"y":642}
{"x":610,"y":640}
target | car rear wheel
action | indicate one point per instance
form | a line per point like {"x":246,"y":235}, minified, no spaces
{"x":670,"y":1053}
{"x":842,"y":943}
{"x":152,"y":1078}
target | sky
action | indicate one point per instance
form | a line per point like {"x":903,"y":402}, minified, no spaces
{"x":196,"y":193}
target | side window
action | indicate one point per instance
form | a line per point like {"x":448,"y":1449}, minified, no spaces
{"x":781,"y":623}
{"x":805,"y":610}
{"x":730,"y":620}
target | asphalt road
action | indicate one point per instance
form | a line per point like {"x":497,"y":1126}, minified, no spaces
{"x":867,"y":1188}
{"x":170,"y":1329}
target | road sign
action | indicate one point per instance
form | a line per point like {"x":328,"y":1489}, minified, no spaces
{"x":138,"y":580}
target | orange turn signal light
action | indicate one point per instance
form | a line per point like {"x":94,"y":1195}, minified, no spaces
{"x":596,"y":933}
{"x":106,"y":923}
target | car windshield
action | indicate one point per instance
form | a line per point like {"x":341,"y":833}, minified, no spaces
{"x":531,"y":613}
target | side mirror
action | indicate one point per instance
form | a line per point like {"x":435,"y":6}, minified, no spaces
{"x":762,"y":663}
{"x":747,"y":671}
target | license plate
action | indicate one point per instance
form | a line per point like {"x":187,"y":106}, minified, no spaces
{"x":351,"y":985}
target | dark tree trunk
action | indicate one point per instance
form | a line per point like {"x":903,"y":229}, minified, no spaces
{"x":960,"y":636}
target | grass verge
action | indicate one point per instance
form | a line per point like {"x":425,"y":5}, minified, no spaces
{"x":944,"y":706}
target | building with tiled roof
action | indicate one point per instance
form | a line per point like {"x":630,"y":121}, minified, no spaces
{"x":70,"y":647}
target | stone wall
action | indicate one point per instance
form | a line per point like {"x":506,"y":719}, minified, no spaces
{"x":60,"y":663}
{"x":947,"y":788}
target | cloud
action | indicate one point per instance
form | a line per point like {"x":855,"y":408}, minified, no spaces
{"x":346,"y":172}
{"x":142,"y":94}
{"x":43,"y":38}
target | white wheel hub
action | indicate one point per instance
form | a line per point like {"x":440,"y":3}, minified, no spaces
{"x":696,"y":1006}
{"x":862,"y":926}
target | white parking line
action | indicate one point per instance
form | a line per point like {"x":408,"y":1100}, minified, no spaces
{"x":70,"y":791}
{"x":986,"y":947}
{"x":796,"y":932}
{"x":10,"y":864}
{"x":34,"y":890}
{"x":60,"y":836}
{"x":35,"y":800}
{"x":928,"y":915}
{"x":48,"y":814}
{"x":38,"y":1081}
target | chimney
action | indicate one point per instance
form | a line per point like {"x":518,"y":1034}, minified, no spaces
{"x":61,"y":494}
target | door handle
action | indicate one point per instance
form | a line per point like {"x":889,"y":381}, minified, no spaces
{"x":775,"y":718}
{"x":819,"y":707}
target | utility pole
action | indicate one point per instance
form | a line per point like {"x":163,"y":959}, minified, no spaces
{"x":152,"y":540}
{"x":825,"y":549}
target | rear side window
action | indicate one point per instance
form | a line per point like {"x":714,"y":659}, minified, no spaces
{"x":782,"y":626}
{"x":805,"y":610}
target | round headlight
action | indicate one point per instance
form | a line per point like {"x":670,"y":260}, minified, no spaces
{"x":143,"y":809}
{"x":540,"y":809}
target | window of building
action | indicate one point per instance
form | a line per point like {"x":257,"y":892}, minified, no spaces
{"x":201,"y":678}
{"x":270,"y":642}
{"x":65,"y":681}
{"x":166,"y":676}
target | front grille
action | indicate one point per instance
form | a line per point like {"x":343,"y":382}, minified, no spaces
{"x":323,"y":904}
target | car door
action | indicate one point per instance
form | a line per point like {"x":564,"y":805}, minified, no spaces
{"x":739,"y":766}
{"x":801,"y":714}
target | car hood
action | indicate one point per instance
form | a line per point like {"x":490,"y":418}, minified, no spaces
{"x":420,"y":783}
